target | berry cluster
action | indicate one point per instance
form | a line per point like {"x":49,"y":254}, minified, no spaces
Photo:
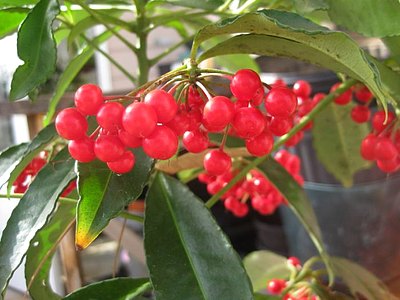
{"x":25,"y":178}
{"x":255,"y":188}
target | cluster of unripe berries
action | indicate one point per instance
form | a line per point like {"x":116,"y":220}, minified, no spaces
{"x":277,"y":286}
{"x":255,"y":189}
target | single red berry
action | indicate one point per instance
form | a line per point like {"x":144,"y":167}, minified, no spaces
{"x":231,"y":203}
{"x":302,"y":88}
{"x":278,"y":82}
{"x":295,"y":139}
{"x":248,"y":122}
{"x":245,"y":84}
{"x":195,"y":117}
{"x":385,"y":149}
{"x":88,"y":99}
{"x":280,"y":125}
{"x":195,"y":141}
{"x":388,"y":166}
{"x":218,"y":112}
{"x":129,"y":140}
{"x":109,"y":115}
{"x":261,"y":144}
{"x":163,"y":104}
{"x":108,"y":148}
{"x":317,"y":98}
{"x":294,"y":261}
{"x":35,"y":165}
{"x":281,"y":102}
{"x":241,"y":210}
{"x":360,"y":114}
{"x":68,"y":190}
{"x":276,"y":286}
{"x":214,"y":187}
{"x":71,"y":124}
{"x":363,"y":94}
{"x":124,"y":164}
{"x":380,"y":121}
{"x":367,"y":148}
{"x":344,"y":98}
{"x":161,"y":144}
{"x":261,"y":204}
{"x":217,"y":162}
{"x":139,"y":119}
{"x":82,"y":150}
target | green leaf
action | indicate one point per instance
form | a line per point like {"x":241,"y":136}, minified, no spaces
{"x":298,"y":203}
{"x":359,"y":280}
{"x":307,"y":6}
{"x":9,"y":158}
{"x":10,"y":22}
{"x":279,"y":33}
{"x":41,"y":250}
{"x":36,"y":47}
{"x":70,"y":72}
{"x":188,"y":255}
{"x":32,"y":212}
{"x":104,"y":194}
{"x":368,"y":17}
{"x":39,"y":142}
{"x":262,"y":266}
{"x":17,"y":3}
{"x":235,"y":62}
{"x":393,"y":43}
{"x":337,"y":139}
{"x":112,"y":289}
{"x":204,"y":4}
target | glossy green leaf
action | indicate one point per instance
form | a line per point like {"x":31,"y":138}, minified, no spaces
{"x":70,"y":72}
{"x":337,"y":139}
{"x":235,"y":62}
{"x":9,"y":158}
{"x":36,"y":47}
{"x":298,"y":203}
{"x":262,"y":266}
{"x":104,"y":194}
{"x":280,"y":33}
{"x":373,"y":18}
{"x":359,"y":280}
{"x":112,"y":289}
{"x":17,"y":3}
{"x":204,"y":4}
{"x":39,"y":142}
{"x":41,"y":250}
{"x":32,"y":213}
{"x":188,"y":255}
{"x":10,"y":22}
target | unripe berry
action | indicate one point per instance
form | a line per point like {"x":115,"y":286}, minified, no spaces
{"x":88,"y":99}
{"x":71,"y":124}
{"x":161,"y":144}
{"x":139,"y":119}
{"x":217,"y":162}
{"x":163,"y":104}
{"x":280,"y":102}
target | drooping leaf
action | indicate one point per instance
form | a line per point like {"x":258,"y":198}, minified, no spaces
{"x":32,"y":212}
{"x":337,"y":139}
{"x":262,"y":266}
{"x":10,"y":22}
{"x":9,"y":158}
{"x":205,"y":4}
{"x":188,"y":256}
{"x":373,"y":18}
{"x":359,"y":280}
{"x":39,"y":142}
{"x":298,"y":203}
{"x":112,"y":289}
{"x":104,"y":194}
{"x":280,"y":33}
{"x":41,"y":250}
{"x":36,"y":47}
{"x":70,"y":72}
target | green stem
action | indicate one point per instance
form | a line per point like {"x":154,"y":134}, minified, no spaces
{"x":143,"y":61}
{"x":303,"y":122}
{"x":132,"y":217}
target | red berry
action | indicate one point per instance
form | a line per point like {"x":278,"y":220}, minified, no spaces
{"x":294,"y":261}
{"x":244,"y":84}
{"x":71,"y":124}
{"x":139,"y":119}
{"x":367,"y":148}
{"x":194,"y":99}
{"x":379,"y":121}
{"x":280,"y":125}
{"x":385,"y":149}
{"x":261,"y":144}
{"x":295,"y":139}
{"x":344,"y":98}
{"x":276,"y":286}
{"x":248,"y":122}
{"x":302,"y":88}
{"x":258,"y":97}
{"x":195,"y":118}
{"x":108,"y":148}
{"x":109,"y":115}
{"x":180,"y":123}
{"x":241,"y":210}
{"x":363,"y":94}
{"x":163,"y":104}
{"x":129,"y":140}
{"x":161,"y":144}
{"x":88,"y":99}
{"x":82,"y":150}
{"x":217,"y":162}
{"x":360,"y":114}
{"x":317,"y":98}
{"x":388,"y":166}
{"x":123,"y":164}
{"x":195,"y":141}
{"x":281,"y":102}
{"x":218,"y":112}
